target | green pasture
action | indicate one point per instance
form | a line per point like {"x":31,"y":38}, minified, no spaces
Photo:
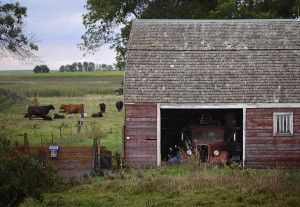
{"x":54,"y":84}
{"x":88,"y":88}
{"x":13,"y":72}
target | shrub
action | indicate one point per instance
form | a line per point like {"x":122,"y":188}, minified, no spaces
{"x":41,"y":69}
{"x":22,"y":176}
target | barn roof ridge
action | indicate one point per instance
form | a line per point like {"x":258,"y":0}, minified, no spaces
{"x":213,"y":20}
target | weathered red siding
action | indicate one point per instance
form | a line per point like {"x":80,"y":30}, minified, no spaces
{"x":263,"y":149}
{"x":140,"y":135}
{"x":71,"y":161}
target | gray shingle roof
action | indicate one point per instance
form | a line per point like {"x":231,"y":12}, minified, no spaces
{"x":197,"y":61}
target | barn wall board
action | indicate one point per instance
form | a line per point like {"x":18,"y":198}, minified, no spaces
{"x":140,"y":135}
{"x":263,"y":149}
{"x":71,"y":161}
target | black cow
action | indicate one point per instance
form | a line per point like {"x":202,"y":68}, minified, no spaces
{"x":119,"y":105}
{"x":39,"y":111}
{"x":98,"y":114}
{"x":58,"y":116}
{"x":102,"y":107}
{"x":48,"y":118}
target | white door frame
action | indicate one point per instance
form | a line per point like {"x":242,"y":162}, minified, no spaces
{"x":242,"y":106}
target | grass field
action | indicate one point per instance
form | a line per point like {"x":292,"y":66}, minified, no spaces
{"x":13,"y":72}
{"x":54,"y":84}
{"x":88,"y":88}
{"x":182,"y":185}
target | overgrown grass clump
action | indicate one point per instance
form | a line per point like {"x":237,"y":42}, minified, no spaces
{"x":183,"y":185}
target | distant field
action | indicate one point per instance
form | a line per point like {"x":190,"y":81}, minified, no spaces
{"x":63,"y":84}
{"x":10,"y":72}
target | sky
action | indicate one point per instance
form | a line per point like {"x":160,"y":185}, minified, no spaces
{"x":57,"y":25}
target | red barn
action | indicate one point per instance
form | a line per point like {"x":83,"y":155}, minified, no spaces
{"x":240,"y":74}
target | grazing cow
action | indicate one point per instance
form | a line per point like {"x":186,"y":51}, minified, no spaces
{"x":72,"y":108}
{"x":39,"y":111}
{"x":119,"y":105}
{"x":98,"y":114}
{"x":58,"y":116}
{"x":102,"y":107}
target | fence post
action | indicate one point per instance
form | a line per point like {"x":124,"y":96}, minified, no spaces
{"x":95,"y":149}
{"x":17,"y":144}
{"x":26,"y":143}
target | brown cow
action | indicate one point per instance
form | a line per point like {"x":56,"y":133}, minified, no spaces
{"x":72,"y":108}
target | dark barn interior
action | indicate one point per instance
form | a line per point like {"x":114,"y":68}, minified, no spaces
{"x":174,"y":121}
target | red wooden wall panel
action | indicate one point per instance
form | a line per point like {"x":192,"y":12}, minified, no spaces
{"x":140,"y":135}
{"x":263,"y":149}
{"x":71,"y":161}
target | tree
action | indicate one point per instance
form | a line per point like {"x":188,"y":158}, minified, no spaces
{"x":80,"y":67}
{"x":104,"y":17}
{"x":41,"y":69}
{"x":68,"y":68}
{"x":13,"y":41}
{"x":62,"y":68}
{"x":91,"y":66}
{"x":85,"y":66}
{"x":74,"y":67}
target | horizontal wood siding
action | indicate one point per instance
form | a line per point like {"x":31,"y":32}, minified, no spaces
{"x":71,"y":161}
{"x":140,"y":135}
{"x":263,"y":149}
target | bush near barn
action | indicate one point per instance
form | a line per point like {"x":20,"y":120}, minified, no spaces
{"x":21,"y":176}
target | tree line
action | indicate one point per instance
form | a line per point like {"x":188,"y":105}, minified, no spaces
{"x":85,"y":66}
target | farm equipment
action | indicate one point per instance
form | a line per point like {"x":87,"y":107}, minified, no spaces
{"x":205,"y":143}
{"x":210,"y":144}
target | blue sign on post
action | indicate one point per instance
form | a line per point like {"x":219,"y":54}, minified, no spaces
{"x":53,"y":151}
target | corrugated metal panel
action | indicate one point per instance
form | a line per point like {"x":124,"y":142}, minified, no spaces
{"x":140,"y":135}
{"x":263,"y":149}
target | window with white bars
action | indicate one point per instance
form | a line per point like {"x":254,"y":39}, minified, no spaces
{"x":283,"y":123}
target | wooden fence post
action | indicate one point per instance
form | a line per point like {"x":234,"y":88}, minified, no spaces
{"x":96,"y":154}
{"x":26,"y":143}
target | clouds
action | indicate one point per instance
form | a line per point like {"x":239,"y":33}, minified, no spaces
{"x":58,"y":27}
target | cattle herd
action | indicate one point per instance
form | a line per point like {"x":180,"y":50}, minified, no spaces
{"x":41,"y":112}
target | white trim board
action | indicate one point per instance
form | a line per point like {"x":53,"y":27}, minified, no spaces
{"x":227,"y":105}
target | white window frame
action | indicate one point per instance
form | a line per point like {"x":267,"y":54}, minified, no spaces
{"x":283,"y":123}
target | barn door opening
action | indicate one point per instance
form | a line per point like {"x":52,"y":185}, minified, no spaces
{"x":179,"y":126}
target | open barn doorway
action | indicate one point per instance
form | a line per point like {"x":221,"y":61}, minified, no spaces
{"x":209,"y":132}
